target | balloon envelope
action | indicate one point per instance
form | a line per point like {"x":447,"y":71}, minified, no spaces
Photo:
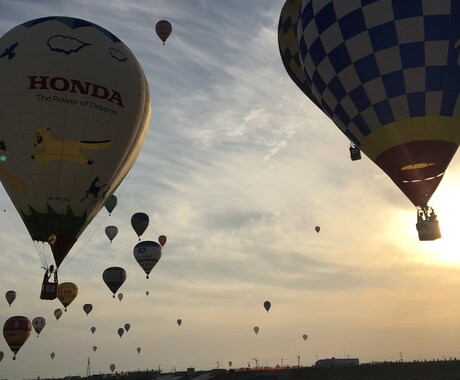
{"x":179,"y":322}
{"x":52,"y":355}
{"x":114,"y":277}
{"x":16,"y":331}
{"x":81,"y":129}
{"x":58,"y":314}
{"x":163,"y":30}
{"x":111,"y":232}
{"x":120,"y":296}
{"x":93,"y":330}
{"x":386,"y":86}
{"x":121,"y":331}
{"x":304,"y":336}
{"x":38,"y":324}
{"x":267,"y":305}
{"x":147,"y":254}
{"x":138,"y":350}
{"x":112,"y":367}
{"x":1,"y":355}
{"x":140,"y":222}
{"x":256,"y":330}
{"x":127,"y":327}
{"x":87,"y":307}
{"x":94,"y":348}
{"x":317,"y":229}
{"x":162,"y":240}
{"x":110,"y":203}
{"x":66,"y":293}
{"x":10,"y":296}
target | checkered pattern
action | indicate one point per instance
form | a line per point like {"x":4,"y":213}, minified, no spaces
{"x":368,"y":63}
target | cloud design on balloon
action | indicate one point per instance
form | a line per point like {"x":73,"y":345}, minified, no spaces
{"x":65,"y":44}
{"x":117,"y":54}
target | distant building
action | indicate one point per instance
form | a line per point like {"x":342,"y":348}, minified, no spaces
{"x":333,"y":362}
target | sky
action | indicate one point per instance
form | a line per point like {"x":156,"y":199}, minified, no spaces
{"x":237,"y":170}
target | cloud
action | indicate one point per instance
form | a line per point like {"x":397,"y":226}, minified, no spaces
{"x":66,"y":44}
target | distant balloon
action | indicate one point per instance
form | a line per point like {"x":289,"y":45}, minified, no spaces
{"x":111,"y":232}
{"x":58,"y":314}
{"x":179,"y":322}
{"x":163,"y":29}
{"x":147,"y":254}
{"x":138,"y":350}
{"x":16,"y":331}
{"x":304,"y":336}
{"x":267,"y":305}
{"x":317,"y":229}
{"x":121,"y":331}
{"x":147,"y":292}
{"x":10,"y":296}
{"x":114,"y":277}
{"x":112,"y":367}
{"x":140,"y":222}
{"x":93,"y":330}
{"x":38,"y":324}
{"x":94,"y":348}
{"x":230,"y":363}
{"x":66,"y":293}
{"x":93,"y":134}
{"x":120,"y":296}
{"x":87,"y":307}
{"x":256,"y":330}
{"x":162,"y":240}
{"x":127,"y":327}
{"x":110,"y":203}
{"x":52,"y":355}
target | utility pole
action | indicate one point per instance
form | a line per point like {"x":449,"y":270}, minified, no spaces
{"x":298,"y":361}
{"x":217,"y":365}
{"x":88,"y":368}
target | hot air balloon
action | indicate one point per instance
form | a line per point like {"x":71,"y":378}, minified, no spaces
{"x":38,"y":323}
{"x":16,"y":331}
{"x":140,"y":222}
{"x":121,"y":331}
{"x":304,"y":336}
{"x":179,"y":322}
{"x":73,"y":134}
{"x":317,"y":229}
{"x":112,"y":367}
{"x":94,"y":348}
{"x":114,"y":277}
{"x":267,"y":305}
{"x":256,"y":330}
{"x":67,"y":291}
{"x":147,"y":292}
{"x":1,"y":355}
{"x":52,"y":355}
{"x":230,"y":363}
{"x":57,"y":314}
{"x":390,"y":89}
{"x":127,"y":327}
{"x":147,"y":254}
{"x":87,"y":307}
{"x":93,"y":330}
{"x":138,"y":349}
{"x":120,"y":296}
{"x":111,"y":232}
{"x":163,"y":29}
{"x":10,"y":296}
{"x":110,"y":203}
{"x":162,"y":240}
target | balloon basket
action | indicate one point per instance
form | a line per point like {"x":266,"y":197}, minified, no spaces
{"x":49,"y":291}
{"x":428,"y":230}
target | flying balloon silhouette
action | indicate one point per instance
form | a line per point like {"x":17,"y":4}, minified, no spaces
{"x":147,"y":292}
{"x":57,"y":314}
{"x":138,"y":349}
{"x":94,"y":348}
{"x":267,"y":305}
{"x":140,"y":222}
{"x":111,"y":232}
{"x":162,"y":240}
{"x":112,"y":367}
{"x":127,"y":327}
{"x":52,"y":355}
{"x":10,"y":296}
{"x":317,"y":229}
{"x":114,"y":277}
{"x":110,"y":203}
{"x":391,"y":90}
{"x":163,"y":29}
{"x":72,"y":135}
{"x":179,"y":322}
{"x":256,"y":329}
{"x":304,"y":336}
{"x":38,"y":323}
{"x":16,"y":331}
{"x":66,"y":293}
{"x":147,"y":254}
{"x":121,"y":331}
{"x":120,"y":296}
{"x":87,"y":307}
{"x":1,"y":355}
{"x":230,"y":363}
{"x":93,"y":330}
